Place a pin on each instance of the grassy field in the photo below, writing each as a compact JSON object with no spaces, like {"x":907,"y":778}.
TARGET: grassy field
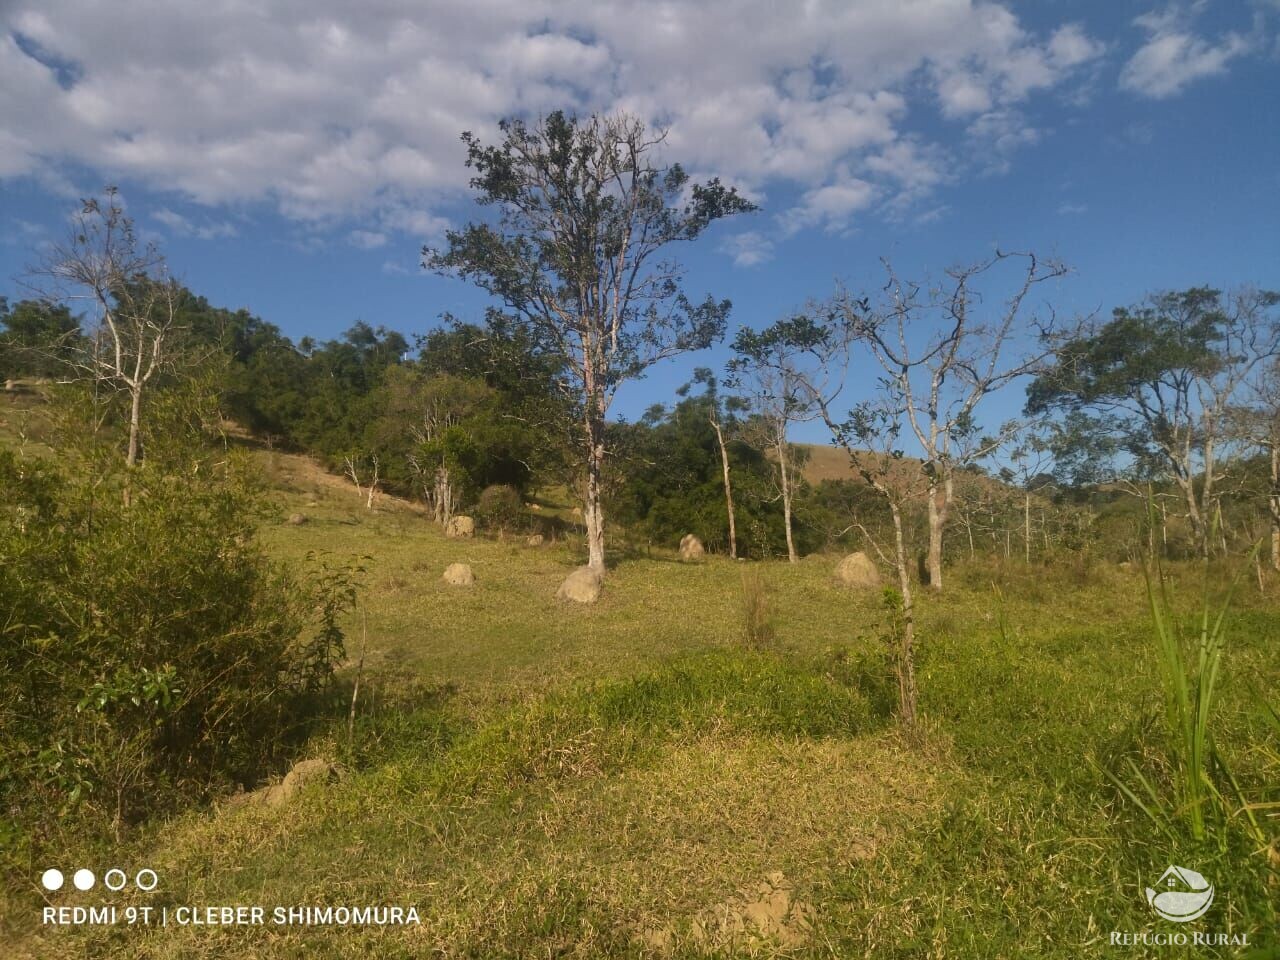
{"x":635,"y":779}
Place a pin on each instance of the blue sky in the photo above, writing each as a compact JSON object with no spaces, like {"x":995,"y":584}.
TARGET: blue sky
{"x":292,"y":157}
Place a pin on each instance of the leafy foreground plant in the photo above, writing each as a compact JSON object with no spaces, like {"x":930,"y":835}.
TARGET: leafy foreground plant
{"x":1191,"y":669}
{"x":152,"y":653}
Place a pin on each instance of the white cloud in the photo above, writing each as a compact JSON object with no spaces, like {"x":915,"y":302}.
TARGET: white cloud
{"x":333,"y":112}
{"x":181,"y":226}
{"x":1174,"y":56}
{"x":748,"y":249}
{"x":998,"y":135}
{"x":831,"y":207}
{"x":367,"y":239}
{"x":1068,"y":209}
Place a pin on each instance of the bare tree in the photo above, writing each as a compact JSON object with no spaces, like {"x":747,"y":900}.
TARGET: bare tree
{"x":938,"y":380}
{"x":1027,"y":456}
{"x":577,"y":256}
{"x":131,"y":296}
{"x":780,"y":371}
{"x":720,"y":414}
{"x":352,"y":463}
{"x":870,"y":437}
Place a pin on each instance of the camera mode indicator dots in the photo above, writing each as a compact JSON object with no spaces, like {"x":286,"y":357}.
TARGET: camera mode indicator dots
{"x":114,"y":879}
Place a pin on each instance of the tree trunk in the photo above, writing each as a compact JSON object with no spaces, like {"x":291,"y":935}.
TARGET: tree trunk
{"x":593,"y":516}
{"x":786,"y":500}
{"x":728,"y":488}
{"x":1275,"y":505}
{"x":1026,"y":527}
{"x":1198,"y":530}
{"x":907,"y":642}
{"x":135,"y":422}
{"x":937,"y":520}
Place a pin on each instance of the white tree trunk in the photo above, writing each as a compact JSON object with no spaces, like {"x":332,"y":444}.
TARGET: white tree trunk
{"x":906,"y":666}
{"x":135,"y":424}
{"x":792,"y":557}
{"x":728,"y":489}
{"x":1275,"y":506}
{"x":938,"y":507}
{"x":1026,"y":527}
{"x":593,"y":515}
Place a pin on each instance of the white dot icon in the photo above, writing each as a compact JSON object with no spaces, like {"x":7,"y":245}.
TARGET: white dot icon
{"x":115,"y":879}
{"x":51,"y":879}
{"x":83,"y":879}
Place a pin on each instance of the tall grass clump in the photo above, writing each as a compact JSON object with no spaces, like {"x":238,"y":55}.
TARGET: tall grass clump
{"x":757,"y":610}
{"x":1190,"y":665}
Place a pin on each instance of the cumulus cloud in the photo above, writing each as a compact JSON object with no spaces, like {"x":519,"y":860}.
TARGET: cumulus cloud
{"x":1175,"y":56}
{"x":748,"y":249}
{"x":367,"y":239}
{"x":333,"y":112}
{"x":831,"y":207}
{"x":181,"y":226}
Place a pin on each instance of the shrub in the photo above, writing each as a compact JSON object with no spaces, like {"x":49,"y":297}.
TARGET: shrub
{"x":151,"y":652}
{"x":499,"y":508}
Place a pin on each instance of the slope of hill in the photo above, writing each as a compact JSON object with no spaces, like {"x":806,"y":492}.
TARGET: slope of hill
{"x":634,"y":779}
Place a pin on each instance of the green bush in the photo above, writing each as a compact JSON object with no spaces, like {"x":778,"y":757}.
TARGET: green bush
{"x":499,"y":508}
{"x":151,"y":652}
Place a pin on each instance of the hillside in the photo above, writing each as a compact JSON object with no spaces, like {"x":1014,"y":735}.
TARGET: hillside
{"x":635,"y":778}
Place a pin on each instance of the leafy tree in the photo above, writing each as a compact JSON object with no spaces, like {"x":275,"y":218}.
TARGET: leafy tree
{"x":576,"y":256}
{"x":39,"y":339}
{"x":671,"y":480}
{"x":1163,"y":378}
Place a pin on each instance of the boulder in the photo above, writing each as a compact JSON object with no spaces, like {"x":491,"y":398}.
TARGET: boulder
{"x":691,"y":548}
{"x":297,"y":519}
{"x":581,"y":586}
{"x":534,"y":541}
{"x":460,"y":527}
{"x":303,"y":773}
{"x":459,"y":575}
{"x":857,"y":570}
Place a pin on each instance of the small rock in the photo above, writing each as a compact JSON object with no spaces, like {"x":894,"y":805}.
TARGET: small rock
{"x":459,"y":575}
{"x":460,"y":527}
{"x":297,"y":519}
{"x":534,"y":541}
{"x":691,"y":547}
{"x":581,"y":586}
{"x":857,"y":570}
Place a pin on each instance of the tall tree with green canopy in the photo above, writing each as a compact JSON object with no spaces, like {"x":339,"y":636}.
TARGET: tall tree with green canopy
{"x":38,"y":338}
{"x":1165,"y":376}
{"x":579,"y":254}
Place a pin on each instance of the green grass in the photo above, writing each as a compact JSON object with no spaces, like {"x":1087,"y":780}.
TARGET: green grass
{"x":543,"y":780}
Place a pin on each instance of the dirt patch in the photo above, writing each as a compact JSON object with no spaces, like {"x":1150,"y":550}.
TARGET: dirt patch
{"x":764,"y":912}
